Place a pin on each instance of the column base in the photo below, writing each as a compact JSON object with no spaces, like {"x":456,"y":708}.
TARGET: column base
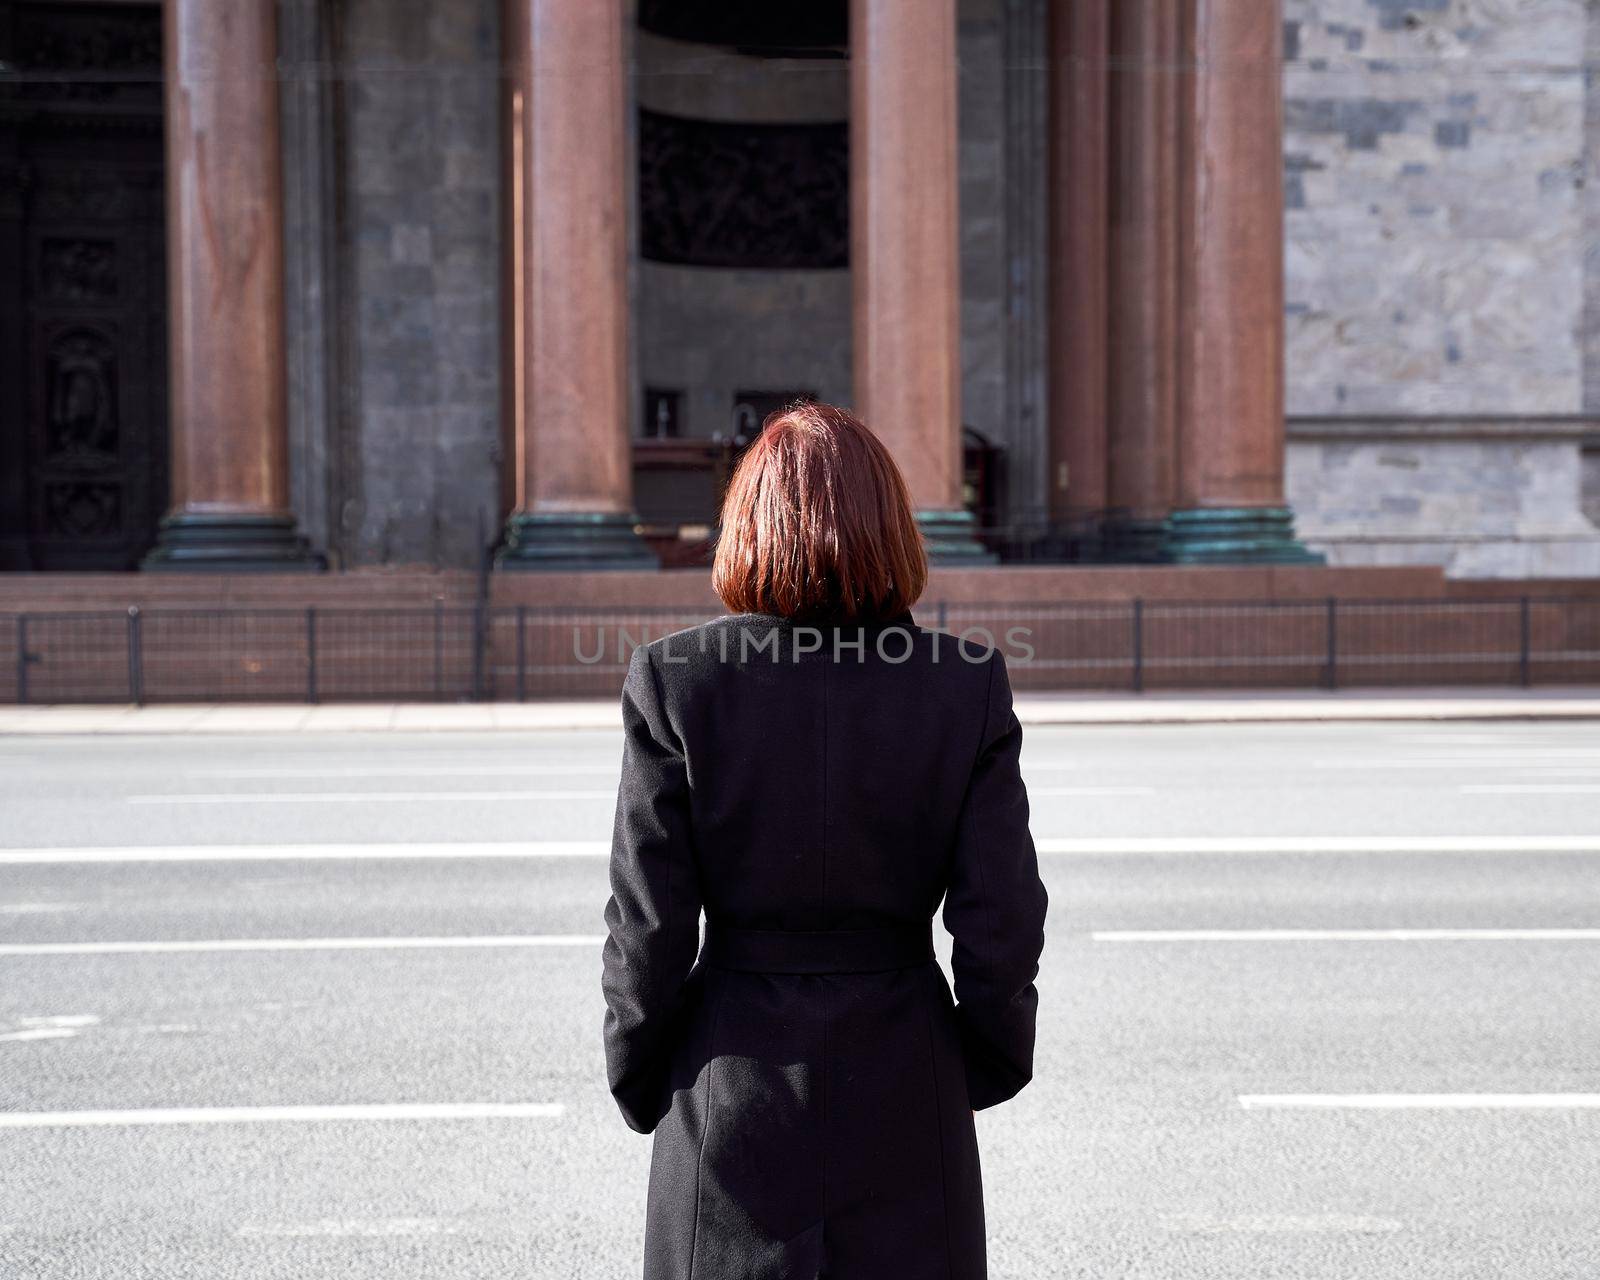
{"x":951,"y":538}
{"x":1236,"y":535}
{"x":231,"y":543}
{"x":573,"y":540}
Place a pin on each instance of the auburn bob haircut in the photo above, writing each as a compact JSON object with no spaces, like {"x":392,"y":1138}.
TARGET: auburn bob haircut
{"x":817,"y":524}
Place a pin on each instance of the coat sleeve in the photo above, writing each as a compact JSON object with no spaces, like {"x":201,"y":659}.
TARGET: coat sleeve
{"x":653,"y":916}
{"x":994,"y":910}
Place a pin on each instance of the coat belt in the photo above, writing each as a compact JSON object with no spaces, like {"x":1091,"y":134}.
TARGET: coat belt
{"x":817,"y":951}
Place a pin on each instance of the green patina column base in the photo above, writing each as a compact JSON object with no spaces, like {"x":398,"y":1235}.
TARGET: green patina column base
{"x":951,"y":538}
{"x":1236,"y":535}
{"x":1134,"y":541}
{"x":199,"y":542}
{"x":573,"y":540}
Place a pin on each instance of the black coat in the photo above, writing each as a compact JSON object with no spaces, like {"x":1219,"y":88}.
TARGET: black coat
{"x":809,"y":1079}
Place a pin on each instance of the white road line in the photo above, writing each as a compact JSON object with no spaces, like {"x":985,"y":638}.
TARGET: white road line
{"x":485,"y":770}
{"x":1531,"y":789}
{"x":361,"y":797}
{"x":1420,"y":1101}
{"x":38,"y":1033}
{"x":1276,"y":1223}
{"x":291,"y":1114}
{"x":1464,"y":760}
{"x":1319,"y":844}
{"x":1091,"y":791}
{"x":185,"y":945}
{"x":1504,"y":739}
{"x":1071,"y":846}
{"x":1560,"y":770}
{"x":307,"y":852}
{"x":352,"y":1227}
{"x":1346,"y":935}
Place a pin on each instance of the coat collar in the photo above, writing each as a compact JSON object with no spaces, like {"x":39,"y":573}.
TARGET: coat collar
{"x":901,"y":619}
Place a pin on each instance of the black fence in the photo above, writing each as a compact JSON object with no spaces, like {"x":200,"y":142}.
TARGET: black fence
{"x":503,"y":653}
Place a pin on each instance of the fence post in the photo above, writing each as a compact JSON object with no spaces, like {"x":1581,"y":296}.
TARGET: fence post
{"x":22,"y":659}
{"x":1331,"y":673}
{"x":438,"y":647}
{"x":480,"y":644}
{"x":135,"y":657}
{"x":522,"y":653}
{"x":311,"y":653}
{"x":1138,"y":645}
{"x":1525,"y":655}
{"x":481,"y":617}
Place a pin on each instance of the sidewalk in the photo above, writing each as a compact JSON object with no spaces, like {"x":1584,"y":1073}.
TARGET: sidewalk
{"x":1574,"y":703}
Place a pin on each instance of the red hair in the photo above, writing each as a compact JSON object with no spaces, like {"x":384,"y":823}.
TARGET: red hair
{"x":817,"y":524}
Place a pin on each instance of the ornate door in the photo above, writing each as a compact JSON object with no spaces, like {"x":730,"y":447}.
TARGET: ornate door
{"x":83,"y":440}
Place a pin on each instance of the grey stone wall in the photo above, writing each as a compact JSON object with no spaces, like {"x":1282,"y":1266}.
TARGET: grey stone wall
{"x":1026,"y":268}
{"x":310,"y":209}
{"x":419,"y":245}
{"x":710,"y":332}
{"x":1589,"y":207}
{"x":1590,"y":468}
{"x":980,"y":110}
{"x":1479,"y":497}
{"x":1442,"y":167}
{"x":1435,"y":153}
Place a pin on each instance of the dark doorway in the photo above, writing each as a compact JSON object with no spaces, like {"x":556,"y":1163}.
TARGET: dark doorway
{"x":83,"y":423}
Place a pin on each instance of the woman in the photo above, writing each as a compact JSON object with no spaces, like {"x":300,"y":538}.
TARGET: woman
{"x":817,"y":773}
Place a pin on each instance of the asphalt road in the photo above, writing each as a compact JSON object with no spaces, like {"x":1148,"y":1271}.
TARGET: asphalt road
{"x":1260,"y":1098}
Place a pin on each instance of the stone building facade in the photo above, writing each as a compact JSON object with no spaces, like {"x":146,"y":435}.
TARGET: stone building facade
{"x":1440,"y":267}
{"x":1443,"y":274}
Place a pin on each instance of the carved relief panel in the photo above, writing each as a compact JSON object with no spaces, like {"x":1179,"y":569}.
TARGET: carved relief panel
{"x":83,"y":438}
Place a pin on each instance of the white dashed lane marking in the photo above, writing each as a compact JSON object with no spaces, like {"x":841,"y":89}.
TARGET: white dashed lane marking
{"x":186,"y":945}
{"x":1278,"y":1224}
{"x":1346,"y":935}
{"x":308,"y":852}
{"x":335,"y":1227}
{"x":362,"y":1112}
{"x":1420,"y":1101}
{"x":362,"y":797}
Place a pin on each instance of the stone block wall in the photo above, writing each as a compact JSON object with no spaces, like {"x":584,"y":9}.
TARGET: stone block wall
{"x":1435,"y":155}
{"x":981,"y":149}
{"x":1481,"y":498}
{"x":1443,"y":208}
{"x":419,"y":252}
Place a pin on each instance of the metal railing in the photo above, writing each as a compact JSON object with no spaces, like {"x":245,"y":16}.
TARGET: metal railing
{"x":496,"y":652}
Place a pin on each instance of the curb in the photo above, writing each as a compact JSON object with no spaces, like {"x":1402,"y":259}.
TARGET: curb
{"x":604,"y":714}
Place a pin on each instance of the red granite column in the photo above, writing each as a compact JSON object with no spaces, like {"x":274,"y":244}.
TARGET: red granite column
{"x":1079,"y":52}
{"x":230,"y":451}
{"x":903,"y":253}
{"x":1230,"y":479}
{"x":1143,"y":299}
{"x":566,"y":258}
